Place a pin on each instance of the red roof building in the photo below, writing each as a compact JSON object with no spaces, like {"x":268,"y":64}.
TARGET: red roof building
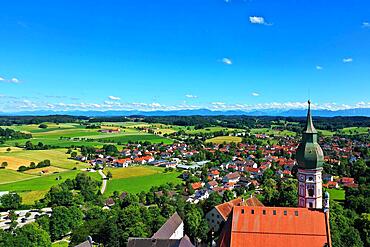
{"x":275,"y":227}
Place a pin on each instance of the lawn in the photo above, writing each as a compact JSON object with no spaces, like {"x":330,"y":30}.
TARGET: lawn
{"x":336,"y":194}
{"x":227,"y":139}
{"x":135,"y":182}
{"x":325,"y":132}
{"x":60,"y":244}
{"x":35,"y":188}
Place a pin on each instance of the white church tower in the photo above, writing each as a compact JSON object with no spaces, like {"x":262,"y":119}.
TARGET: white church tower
{"x":310,"y":159}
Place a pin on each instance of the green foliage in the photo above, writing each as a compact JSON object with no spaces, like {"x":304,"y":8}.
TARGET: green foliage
{"x":10,"y":201}
{"x":64,"y":220}
{"x":30,"y":235}
{"x":43,"y":126}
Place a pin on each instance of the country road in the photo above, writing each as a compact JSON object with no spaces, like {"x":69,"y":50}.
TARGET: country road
{"x":104,"y":181}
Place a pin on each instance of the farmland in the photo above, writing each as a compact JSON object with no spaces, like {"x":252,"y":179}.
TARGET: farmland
{"x":33,"y":188}
{"x":137,"y":179}
{"x":225,"y":139}
{"x":68,"y":134}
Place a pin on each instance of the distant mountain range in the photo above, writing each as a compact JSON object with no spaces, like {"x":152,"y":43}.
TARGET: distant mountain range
{"x":202,"y":112}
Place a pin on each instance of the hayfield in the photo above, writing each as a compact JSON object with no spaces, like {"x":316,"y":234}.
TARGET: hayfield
{"x":67,"y":134}
{"x":137,"y":179}
{"x":226,"y":139}
{"x":37,"y":186}
{"x":268,"y":131}
{"x":9,"y":176}
{"x":133,"y":171}
{"x":58,"y":158}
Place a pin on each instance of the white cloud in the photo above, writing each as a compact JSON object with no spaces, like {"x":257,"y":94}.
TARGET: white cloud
{"x":191,"y":96}
{"x":255,"y":94}
{"x":14,"y":80}
{"x":318,"y":67}
{"x":227,"y":61}
{"x":366,"y":24}
{"x":258,"y":20}
{"x":347,"y":60}
{"x":2,"y":79}
{"x":114,"y":98}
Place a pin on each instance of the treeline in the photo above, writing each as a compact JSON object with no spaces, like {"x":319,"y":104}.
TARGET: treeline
{"x":324,"y":123}
{"x":6,"y":134}
{"x":41,"y":164}
{"x":11,"y":120}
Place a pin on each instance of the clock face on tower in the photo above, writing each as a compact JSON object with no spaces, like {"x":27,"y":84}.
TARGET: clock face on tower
{"x":301,"y":178}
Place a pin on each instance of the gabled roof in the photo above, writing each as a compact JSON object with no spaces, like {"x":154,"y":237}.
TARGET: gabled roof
{"x":169,"y":227}
{"x":151,"y":242}
{"x":278,"y":226}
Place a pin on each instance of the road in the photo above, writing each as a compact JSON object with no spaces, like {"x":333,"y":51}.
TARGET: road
{"x":104,"y":181}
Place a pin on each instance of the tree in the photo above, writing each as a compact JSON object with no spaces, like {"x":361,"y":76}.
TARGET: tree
{"x":63,"y":220}
{"x":109,"y":175}
{"x":213,"y":200}
{"x":10,"y":201}
{"x":73,"y":155}
{"x":4,"y":164}
{"x":43,"y":126}
{"x":227,"y":196}
{"x":31,"y":235}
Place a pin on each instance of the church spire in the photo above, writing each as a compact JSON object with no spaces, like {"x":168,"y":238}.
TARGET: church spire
{"x":309,"y":123}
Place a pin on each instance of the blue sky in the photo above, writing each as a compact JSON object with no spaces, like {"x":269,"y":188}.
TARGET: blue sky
{"x":180,"y":54}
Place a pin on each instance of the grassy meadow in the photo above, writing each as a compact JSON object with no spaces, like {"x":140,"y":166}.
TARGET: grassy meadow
{"x":139,"y":178}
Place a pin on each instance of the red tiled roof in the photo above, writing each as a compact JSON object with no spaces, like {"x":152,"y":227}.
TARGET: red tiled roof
{"x":196,"y":185}
{"x":259,"y":226}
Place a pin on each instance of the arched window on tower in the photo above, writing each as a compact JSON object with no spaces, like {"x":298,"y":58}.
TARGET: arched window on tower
{"x":310,"y":190}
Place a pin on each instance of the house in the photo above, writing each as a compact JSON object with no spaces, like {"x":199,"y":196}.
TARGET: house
{"x":218,"y":215}
{"x":109,"y":202}
{"x":346,"y":180}
{"x":212,"y":184}
{"x":197,"y":185}
{"x":331,"y":185}
{"x":171,"y":234}
{"x":122,"y":162}
{"x":231,"y":177}
{"x":275,"y":226}
{"x":143,"y":160}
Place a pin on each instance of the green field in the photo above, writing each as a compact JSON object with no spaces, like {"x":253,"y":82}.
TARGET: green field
{"x":226,"y":139}
{"x":9,"y":176}
{"x":355,"y":130}
{"x":336,"y":194}
{"x":39,"y":185}
{"x":136,"y":179}
{"x":268,"y":131}
{"x":68,"y":134}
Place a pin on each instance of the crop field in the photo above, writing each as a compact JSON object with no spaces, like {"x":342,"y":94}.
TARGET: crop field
{"x":67,"y":134}
{"x":134,"y":171}
{"x":58,"y":158}
{"x":137,"y":179}
{"x":226,"y":139}
{"x":268,"y":131}
{"x":9,"y":176}
{"x":34,"y":188}
{"x":355,"y":130}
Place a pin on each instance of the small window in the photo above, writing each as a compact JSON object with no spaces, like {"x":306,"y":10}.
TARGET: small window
{"x":274,"y":212}
{"x":218,"y":216}
{"x":264,"y":212}
{"x":310,"y":178}
{"x":213,"y":215}
{"x":242,"y":211}
{"x":213,"y":221}
{"x":296,"y":213}
{"x":285,"y":212}
{"x":252,"y":211}
{"x":311,"y":204}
